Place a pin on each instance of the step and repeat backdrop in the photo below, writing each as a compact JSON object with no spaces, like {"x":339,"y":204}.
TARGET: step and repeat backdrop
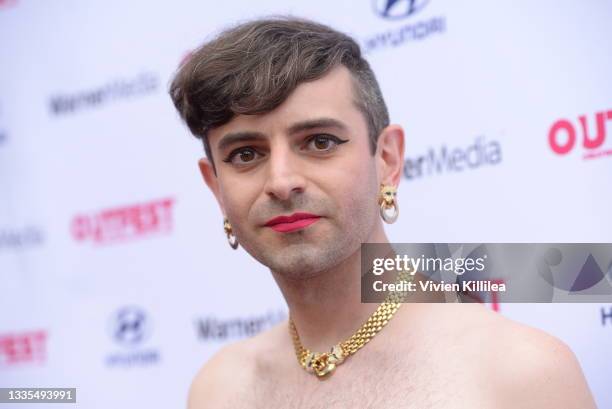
{"x":115,"y":274}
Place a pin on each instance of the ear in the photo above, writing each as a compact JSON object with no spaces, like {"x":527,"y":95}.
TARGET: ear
{"x":208,"y":173}
{"x":390,"y":155}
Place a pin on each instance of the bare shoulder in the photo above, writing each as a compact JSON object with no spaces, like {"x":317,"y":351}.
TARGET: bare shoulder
{"x":539,"y":370}
{"x":230,"y":373}
{"x":514,"y":364}
{"x":526,"y":366}
{"x":224,"y":375}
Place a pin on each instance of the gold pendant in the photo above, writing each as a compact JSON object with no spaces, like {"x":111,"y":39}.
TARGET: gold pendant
{"x":325,"y":363}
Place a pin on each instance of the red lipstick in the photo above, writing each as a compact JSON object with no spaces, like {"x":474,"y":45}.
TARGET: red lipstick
{"x":296,"y":221}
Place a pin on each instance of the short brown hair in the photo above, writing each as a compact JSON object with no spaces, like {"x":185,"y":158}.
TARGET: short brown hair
{"x":253,"y":67}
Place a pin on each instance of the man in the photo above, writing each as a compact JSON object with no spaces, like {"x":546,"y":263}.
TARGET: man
{"x":301,"y":158}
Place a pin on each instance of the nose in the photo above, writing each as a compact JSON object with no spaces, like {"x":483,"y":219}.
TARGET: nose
{"x":284,"y":177}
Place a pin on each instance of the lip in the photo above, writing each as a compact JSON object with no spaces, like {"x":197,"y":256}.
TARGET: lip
{"x":292,"y":222}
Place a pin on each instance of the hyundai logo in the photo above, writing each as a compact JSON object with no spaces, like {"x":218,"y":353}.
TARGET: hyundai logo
{"x":398,"y":9}
{"x":130,"y":326}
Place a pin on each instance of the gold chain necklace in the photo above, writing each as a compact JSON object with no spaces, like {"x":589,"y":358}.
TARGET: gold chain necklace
{"x":322,"y":364}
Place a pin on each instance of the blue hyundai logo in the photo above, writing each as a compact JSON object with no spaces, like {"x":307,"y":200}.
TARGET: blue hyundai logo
{"x":398,"y":9}
{"x":130,"y":326}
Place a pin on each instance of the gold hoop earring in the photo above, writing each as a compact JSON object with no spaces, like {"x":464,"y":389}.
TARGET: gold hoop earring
{"x":231,"y":239}
{"x":388,"y":200}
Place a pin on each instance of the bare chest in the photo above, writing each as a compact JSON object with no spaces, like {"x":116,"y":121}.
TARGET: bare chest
{"x":371,"y":382}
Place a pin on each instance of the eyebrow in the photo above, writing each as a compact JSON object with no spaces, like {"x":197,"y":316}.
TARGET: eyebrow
{"x":249,"y":136}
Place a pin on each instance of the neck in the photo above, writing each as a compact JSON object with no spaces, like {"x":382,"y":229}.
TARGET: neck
{"x":327,"y":309}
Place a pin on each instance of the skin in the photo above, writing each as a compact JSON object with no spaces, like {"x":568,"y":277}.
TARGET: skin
{"x":429,"y":355}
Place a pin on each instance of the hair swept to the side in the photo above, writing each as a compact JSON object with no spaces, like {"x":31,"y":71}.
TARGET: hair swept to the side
{"x":252,"y":68}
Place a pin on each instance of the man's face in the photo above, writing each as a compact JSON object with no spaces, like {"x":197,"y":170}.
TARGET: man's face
{"x":309,"y":155}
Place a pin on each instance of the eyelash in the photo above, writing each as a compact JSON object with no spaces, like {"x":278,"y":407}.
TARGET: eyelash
{"x":329,"y":137}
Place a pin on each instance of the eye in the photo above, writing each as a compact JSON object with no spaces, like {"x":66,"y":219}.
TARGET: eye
{"x":241,"y":156}
{"x":324,"y":142}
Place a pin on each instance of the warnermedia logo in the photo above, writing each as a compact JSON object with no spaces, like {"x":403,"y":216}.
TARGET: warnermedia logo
{"x":20,"y":238}
{"x":445,"y":159}
{"x":145,"y":83}
{"x":213,"y":329}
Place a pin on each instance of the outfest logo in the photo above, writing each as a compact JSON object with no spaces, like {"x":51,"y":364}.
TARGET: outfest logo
{"x":587,"y":131}
{"x":7,"y":3}
{"x":29,"y":347}
{"x":125,"y":222}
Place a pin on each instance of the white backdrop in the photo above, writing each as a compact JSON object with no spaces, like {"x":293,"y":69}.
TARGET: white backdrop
{"x":115,"y":275}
